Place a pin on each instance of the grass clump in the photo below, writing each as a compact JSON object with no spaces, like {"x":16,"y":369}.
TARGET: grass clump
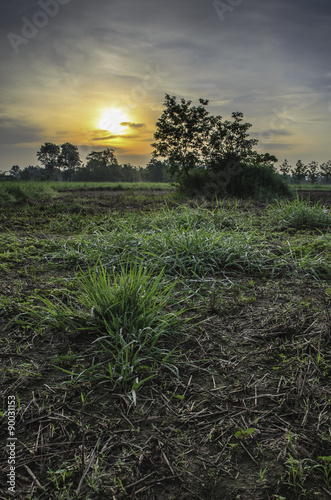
{"x":131,"y":302}
{"x":300,"y":215}
{"x":127,"y":313}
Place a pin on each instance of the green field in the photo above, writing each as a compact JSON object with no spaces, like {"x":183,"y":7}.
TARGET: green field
{"x":31,"y":190}
{"x":161,"y":347}
{"x":318,"y":186}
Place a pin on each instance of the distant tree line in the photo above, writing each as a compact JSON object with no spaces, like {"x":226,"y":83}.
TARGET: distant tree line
{"x":312,"y":172}
{"x":63,"y":163}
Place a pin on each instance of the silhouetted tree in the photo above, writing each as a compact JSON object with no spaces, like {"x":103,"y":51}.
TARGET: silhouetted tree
{"x":325,"y":171}
{"x":69,"y":159}
{"x":48,"y":155}
{"x":300,"y":171}
{"x":31,"y":173}
{"x":188,"y":137}
{"x":157,"y":171}
{"x":106,"y":156}
{"x":211,"y":157}
{"x":129,"y":173}
{"x":285,"y":168}
{"x":15,"y":171}
{"x":312,"y":171}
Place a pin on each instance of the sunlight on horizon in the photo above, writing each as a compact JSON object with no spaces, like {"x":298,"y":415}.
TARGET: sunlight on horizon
{"x":112,"y":119}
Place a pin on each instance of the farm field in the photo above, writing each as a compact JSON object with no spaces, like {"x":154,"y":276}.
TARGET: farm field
{"x":159,"y":347}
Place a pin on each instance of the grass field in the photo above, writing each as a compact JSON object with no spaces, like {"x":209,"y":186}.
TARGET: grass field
{"x":319,"y":186}
{"x":157,"y":347}
{"x":31,"y":190}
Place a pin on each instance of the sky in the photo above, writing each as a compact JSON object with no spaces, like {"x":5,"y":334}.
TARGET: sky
{"x":95,"y":73}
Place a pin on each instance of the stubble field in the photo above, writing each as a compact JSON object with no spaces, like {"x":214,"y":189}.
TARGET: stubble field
{"x":160,"y":348}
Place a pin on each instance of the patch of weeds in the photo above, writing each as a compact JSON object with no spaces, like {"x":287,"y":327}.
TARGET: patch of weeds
{"x":200,"y":253}
{"x":325,"y":467}
{"x":298,"y":471}
{"x":185,"y":218}
{"x":62,"y":481}
{"x":243,"y":434}
{"x":67,"y":223}
{"x":24,"y":249}
{"x":22,"y":371}
{"x":14,"y":305}
{"x":299,"y":214}
{"x":127,"y":313}
{"x":192,"y":242}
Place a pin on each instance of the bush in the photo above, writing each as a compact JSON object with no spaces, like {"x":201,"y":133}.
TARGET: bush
{"x":300,"y":215}
{"x":243,"y":181}
{"x":260,"y":182}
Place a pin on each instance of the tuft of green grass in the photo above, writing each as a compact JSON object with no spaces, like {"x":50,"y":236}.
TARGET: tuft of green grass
{"x":128,"y":313}
{"x":300,"y":215}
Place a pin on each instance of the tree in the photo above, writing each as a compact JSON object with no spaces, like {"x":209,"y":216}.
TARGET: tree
{"x":325,"y":171}
{"x":300,"y":171}
{"x":189,"y":138}
{"x":228,"y":143}
{"x":15,"y":171}
{"x":285,"y":168}
{"x":181,"y":135}
{"x":129,"y":173}
{"x":48,"y":156}
{"x":69,"y":159}
{"x":312,"y":171}
{"x":32,"y":173}
{"x":102,"y":166}
{"x":106,"y":156}
{"x":209,"y":157}
{"x":157,"y":171}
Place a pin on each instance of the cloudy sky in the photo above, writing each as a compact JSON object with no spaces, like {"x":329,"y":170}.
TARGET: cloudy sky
{"x":95,"y":72}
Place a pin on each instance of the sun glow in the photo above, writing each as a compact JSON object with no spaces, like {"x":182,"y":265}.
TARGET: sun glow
{"x":112,"y":120}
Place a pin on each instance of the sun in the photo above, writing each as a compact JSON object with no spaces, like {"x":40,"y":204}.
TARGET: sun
{"x":112,"y":119}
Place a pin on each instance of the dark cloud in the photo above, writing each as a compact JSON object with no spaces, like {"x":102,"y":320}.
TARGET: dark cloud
{"x":105,"y":138}
{"x":132,"y":125}
{"x":278,"y":145}
{"x":274,"y":132}
{"x":18,"y":132}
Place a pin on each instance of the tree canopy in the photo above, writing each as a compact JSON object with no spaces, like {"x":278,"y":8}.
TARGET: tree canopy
{"x":188,"y":137}
{"x":64,"y":157}
{"x":209,"y":156}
